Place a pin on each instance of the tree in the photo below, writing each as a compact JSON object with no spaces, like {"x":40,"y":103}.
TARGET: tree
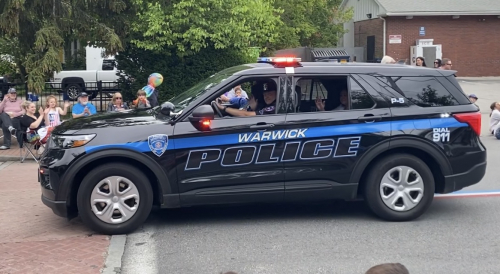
{"x":312,"y":23}
{"x":38,"y":29}
{"x":180,"y":73}
{"x":191,"y":25}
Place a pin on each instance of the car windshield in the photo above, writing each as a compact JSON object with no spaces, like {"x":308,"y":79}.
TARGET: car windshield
{"x":182,"y":101}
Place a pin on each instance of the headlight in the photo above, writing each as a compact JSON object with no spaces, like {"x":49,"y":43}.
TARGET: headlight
{"x":71,"y":141}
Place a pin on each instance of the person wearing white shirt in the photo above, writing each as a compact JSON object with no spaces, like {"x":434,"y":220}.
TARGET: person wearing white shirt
{"x":494,"y":117}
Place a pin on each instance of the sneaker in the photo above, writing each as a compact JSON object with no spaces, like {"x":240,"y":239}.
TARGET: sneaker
{"x":12,"y":130}
{"x":4,"y":147}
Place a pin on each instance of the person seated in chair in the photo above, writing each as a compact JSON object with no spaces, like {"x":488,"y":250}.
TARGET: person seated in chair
{"x":33,"y":123}
{"x":10,"y":108}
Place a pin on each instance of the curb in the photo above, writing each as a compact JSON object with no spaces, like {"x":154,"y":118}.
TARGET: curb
{"x":5,"y":164}
{"x":113,"y":264}
{"x":15,"y":158}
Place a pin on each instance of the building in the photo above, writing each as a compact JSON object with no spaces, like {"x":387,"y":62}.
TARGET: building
{"x":466,"y":31}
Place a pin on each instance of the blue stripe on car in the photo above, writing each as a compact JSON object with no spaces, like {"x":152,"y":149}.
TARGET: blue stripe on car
{"x":312,"y":132}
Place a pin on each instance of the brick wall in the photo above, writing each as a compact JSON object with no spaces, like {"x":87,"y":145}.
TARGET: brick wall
{"x":472,"y":45}
{"x":366,"y":28}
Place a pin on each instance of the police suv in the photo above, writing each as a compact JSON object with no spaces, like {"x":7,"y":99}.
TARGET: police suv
{"x":391,"y":134}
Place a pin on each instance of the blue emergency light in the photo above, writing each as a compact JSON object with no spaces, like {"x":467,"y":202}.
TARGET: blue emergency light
{"x":281,"y":61}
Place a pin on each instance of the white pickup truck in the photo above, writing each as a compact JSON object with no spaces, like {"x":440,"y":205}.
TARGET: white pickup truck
{"x":72,"y":82}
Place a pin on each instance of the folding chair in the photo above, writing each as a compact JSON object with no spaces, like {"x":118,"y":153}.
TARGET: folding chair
{"x":29,"y":148}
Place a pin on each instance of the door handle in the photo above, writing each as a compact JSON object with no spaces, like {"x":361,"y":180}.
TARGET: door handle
{"x":369,"y":118}
{"x":262,"y":125}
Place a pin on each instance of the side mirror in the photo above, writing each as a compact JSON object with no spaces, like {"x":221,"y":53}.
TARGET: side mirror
{"x":201,"y":117}
{"x":167,"y":108}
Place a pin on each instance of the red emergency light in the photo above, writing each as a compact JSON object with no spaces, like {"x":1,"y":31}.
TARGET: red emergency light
{"x":281,"y":61}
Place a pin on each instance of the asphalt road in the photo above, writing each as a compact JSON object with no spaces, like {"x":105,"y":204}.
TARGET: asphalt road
{"x":456,"y":235}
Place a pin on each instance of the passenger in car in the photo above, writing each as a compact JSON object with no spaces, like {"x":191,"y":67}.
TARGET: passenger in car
{"x":344,"y":100}
{"x":236,"y":92}
{"x":268,"y":90}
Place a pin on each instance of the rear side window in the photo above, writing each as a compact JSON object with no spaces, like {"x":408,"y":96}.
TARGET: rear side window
{"x":424,"y":91}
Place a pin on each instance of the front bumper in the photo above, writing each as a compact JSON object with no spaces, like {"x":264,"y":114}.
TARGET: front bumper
{"x":58,"y":207}
{"x":456,"y":182}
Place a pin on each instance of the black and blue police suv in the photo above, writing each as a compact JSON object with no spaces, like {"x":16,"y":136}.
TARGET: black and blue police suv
{"x":393,"y":135}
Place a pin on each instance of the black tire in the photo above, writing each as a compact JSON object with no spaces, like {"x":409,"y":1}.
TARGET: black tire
{"x":72,"y":91}
{"x":114,"y":169}
{"x":373,"y":181}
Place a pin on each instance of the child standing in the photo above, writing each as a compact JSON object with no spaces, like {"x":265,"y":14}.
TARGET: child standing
{"x":141,"y":101}
{"x":53,"y":112}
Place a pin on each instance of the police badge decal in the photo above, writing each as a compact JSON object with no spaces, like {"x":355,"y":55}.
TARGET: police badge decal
{"x":158,"y":144}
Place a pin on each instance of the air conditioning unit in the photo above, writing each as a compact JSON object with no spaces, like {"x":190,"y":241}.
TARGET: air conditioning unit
{"x":426,"y":48}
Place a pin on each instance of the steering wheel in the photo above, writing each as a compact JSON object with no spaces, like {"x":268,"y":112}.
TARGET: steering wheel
{"x":216,"y":108}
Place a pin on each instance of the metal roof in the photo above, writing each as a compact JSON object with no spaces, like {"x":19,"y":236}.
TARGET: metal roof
{"x":436,"y":7}
{"x":329,"y":52}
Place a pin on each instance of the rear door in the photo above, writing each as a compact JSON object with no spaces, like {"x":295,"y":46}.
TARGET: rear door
{"x":319,"y":165}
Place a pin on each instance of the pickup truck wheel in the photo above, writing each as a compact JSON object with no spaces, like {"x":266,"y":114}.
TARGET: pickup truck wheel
{"x":72,"y":91}
{"x":114,"y":198}
{"x":399,"y":187}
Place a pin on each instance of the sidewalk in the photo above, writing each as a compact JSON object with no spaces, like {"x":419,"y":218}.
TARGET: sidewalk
{"x":11,"y":154}
{"x":32,"y":238}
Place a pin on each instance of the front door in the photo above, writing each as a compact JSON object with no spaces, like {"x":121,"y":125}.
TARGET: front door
{"x":340,"y":121}
{"x":237,"y":161}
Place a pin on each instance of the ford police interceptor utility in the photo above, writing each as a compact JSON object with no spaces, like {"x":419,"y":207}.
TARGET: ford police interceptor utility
{"x":391,"y":134}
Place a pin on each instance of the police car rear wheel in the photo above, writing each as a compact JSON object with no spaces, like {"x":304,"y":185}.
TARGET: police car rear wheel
{"x":115,"y":198}
{"x":399,"y":187}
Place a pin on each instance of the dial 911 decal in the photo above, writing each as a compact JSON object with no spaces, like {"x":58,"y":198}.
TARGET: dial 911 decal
{"x":441,"y":134}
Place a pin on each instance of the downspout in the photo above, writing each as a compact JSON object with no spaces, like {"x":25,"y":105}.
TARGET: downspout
{"x":383,"y":36}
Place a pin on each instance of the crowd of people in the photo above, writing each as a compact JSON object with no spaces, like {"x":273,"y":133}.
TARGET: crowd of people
{"x":444,"y":64}
{"x":16,"y":114}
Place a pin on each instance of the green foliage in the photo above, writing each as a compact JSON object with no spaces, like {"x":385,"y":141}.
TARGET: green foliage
{"x":180,"y":73}
{"x":75,"y":62}
{"x":7,"y":67}
{"x":312,"y":23}
{"x":191,"y":25}
{"x":39,"y":27}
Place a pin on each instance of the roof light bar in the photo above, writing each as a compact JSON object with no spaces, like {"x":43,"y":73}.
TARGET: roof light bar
{"x":278,"y":60}
{"x":281,"y":61}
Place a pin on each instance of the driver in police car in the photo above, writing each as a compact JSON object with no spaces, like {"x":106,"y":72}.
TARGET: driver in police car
{"x":254,"y":108}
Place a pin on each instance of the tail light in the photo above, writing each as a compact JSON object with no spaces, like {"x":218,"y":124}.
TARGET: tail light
{"x":472,"y":119}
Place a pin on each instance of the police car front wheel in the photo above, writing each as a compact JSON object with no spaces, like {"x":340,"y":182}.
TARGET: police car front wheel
{"x":114,"y":198}
{"x":399,"y":187}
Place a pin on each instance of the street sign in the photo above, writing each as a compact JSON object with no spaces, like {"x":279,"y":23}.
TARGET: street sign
{"x":422,"y":31}
{"x":394,"y":39}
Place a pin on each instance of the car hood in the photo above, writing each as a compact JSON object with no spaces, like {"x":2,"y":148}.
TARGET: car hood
{"x":111,"y":119}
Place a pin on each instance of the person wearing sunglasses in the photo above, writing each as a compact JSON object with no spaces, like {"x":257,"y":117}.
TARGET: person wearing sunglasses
{"x":446,"y":64}
{"x":117,"y":103}
{"x":437,"y":63}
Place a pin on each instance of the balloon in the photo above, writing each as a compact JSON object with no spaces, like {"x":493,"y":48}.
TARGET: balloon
{"x":154,"y":80}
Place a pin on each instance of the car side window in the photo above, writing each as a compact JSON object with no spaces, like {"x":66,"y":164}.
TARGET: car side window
{"x":333,"y":93}
{"x":246,"y":95}
{"x":360,"y":99}
{"x":423,"y":91}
